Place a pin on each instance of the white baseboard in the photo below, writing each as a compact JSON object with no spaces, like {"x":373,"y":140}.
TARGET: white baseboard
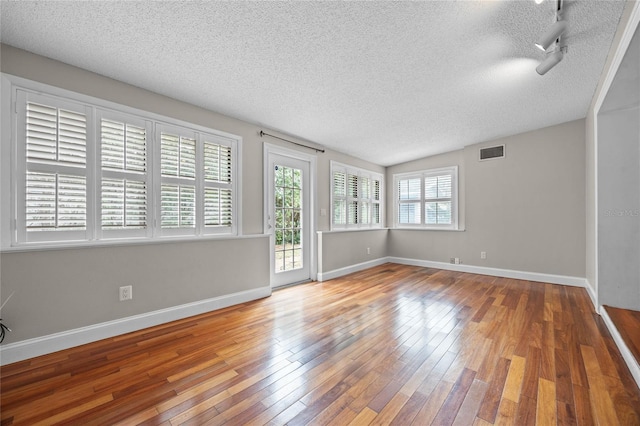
{"x":329,"y":275}
{"x":592,"y":295}
{"x":18,"y":351}
{"x":482,"y":270}
{"x":624,"y":350}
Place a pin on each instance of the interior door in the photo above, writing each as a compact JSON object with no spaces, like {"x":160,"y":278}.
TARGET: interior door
{"x":288,"y":218}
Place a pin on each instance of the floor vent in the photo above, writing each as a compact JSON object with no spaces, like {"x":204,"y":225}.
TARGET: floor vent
{"x":492,"y":152}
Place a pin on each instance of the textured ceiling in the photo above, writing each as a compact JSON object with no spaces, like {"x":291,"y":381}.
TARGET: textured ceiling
{"x":384,"y":81}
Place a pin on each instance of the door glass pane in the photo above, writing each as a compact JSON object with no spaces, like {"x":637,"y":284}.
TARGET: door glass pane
{"x":288,"y":223}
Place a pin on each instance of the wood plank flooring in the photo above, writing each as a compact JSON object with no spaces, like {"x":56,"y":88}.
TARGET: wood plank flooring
{"x":394,"y":344}
{"x":627,"y":323}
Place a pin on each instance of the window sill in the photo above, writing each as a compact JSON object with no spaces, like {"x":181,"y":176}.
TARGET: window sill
{"x":339,"y":230}
{"x":408,"y":228}
{"x":121,"y":242}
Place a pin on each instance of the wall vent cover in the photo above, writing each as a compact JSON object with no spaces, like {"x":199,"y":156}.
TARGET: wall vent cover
{"x":491,"y":152}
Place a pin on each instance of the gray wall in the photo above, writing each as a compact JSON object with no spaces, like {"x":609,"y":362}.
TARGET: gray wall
{"x":341,"y":249}
{"x":525,"y":210}
{"x":619,"y":208}
{"x":58,"y":290}
{"x":84,"y":291}
{"x":591,"y":156}
{"x":618,"y":189}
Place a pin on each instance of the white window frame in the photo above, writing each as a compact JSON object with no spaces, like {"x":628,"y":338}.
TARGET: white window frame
{"x":101,"y":173}
{"x":422,"y":175}
{"x":13,"y":167}
{"x":360,"y":173}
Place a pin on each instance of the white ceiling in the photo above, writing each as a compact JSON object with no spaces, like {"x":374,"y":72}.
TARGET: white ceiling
{"x":383,"y":81}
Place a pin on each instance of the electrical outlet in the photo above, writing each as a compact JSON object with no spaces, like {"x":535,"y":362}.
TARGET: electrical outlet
{"x":483,"y":255}
{"x":368,"y":250}
{"x":126,"y":292}
{"x":455,"y":261}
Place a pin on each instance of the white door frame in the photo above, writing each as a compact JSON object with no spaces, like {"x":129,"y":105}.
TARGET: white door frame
{"x":313,"y":220}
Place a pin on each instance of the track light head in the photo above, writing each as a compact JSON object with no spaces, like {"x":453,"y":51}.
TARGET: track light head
{"x":552,"y":34}
{"x":550,"y":61}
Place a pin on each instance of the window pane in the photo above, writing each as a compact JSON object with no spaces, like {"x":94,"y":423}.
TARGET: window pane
{"x":339,"y":182}
{"x":55,"y":202}
{"x":217,"y":163}
{"x":409,"y":213}
{"x":375,"y":214}
{"x":123,"y":146}
{"x":444,"y":186}
{"x":339,"y":215}
{"x":409,"y":189}
{"x":431,"y":213}
{"x":170,"y":155}
{"x":365,"y":212}
{"x":376,"y":190}
{"x":178,"y":156}
{"x":124,"y":204}
{"x":112,"y":144}
{"x":177,"y":206}
{"x":365,"y":187}
{"x":444,"y":213}
{"x":187,"y":157}
{"x":352,"y":186}
{"x":437,"y":187}
{"x":352,"y":212}
{"x":41,"y":201}
{"x":56,"y":135}
{"x":438,"y":213}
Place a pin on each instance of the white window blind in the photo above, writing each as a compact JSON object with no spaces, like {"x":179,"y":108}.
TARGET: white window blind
{"x":196,"y":171}
{"x":218,"y":203}
{"x":53,"y":169}
{"x":177,"y":171}
{"x":427,"y":199}
{"x":124,"y":188}
{"x":356,"y":197}
{"x":89,"y":170}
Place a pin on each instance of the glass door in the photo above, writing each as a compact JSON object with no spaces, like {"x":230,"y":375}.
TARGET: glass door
{"x":287,"y":219}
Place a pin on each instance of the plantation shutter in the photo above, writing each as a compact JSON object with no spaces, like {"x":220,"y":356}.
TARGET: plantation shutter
{"x":124,"y":186}
{"x":438,"y":189}
{"x":177,"y":172}
{"x":218,"y":195}
{"x":375,"y":213}
{"x":409,"y":207}
{"x":339,"y":197}
{"x":54,"y":157}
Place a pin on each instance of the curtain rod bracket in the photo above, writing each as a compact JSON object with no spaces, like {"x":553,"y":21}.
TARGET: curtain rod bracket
{"x":295,"y":143}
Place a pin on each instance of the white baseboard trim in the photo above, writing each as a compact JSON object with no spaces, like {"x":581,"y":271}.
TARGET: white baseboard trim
{"x":482,"y":270}
{"x":624,"y":350}
{"x":592,"y":295}
{"x":329,"y":275}
{"x":19,"y":351}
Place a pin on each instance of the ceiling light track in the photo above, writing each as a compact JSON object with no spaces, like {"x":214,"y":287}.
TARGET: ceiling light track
{"x":551,"y":42}
{"x":295,"y":143}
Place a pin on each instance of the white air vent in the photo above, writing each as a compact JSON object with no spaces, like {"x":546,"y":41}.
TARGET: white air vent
{"x":491,"y":152}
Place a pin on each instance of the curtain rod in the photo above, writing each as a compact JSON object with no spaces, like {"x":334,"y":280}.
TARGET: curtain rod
{"x":287,"y":140}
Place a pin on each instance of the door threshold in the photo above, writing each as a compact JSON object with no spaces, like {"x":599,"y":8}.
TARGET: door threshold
{"x":280,"y":287}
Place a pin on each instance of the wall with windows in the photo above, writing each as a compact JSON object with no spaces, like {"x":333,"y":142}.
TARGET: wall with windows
{"x":526,"y":210}
{"x":61,"y":289}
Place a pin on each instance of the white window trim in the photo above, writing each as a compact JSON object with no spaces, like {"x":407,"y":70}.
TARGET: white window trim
{"x":422,"y":174}
{"x":360,"y":172}
{"x":11,"y":167}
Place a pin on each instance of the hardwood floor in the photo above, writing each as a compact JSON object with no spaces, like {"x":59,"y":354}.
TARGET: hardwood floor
{"x":391,"y":345}
{"x":627,"y":323}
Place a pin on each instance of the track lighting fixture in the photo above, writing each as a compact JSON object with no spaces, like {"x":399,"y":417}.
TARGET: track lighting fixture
{"x":552,"y":34}
{"x":553,"y":38}
{"x":550,"y":61}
